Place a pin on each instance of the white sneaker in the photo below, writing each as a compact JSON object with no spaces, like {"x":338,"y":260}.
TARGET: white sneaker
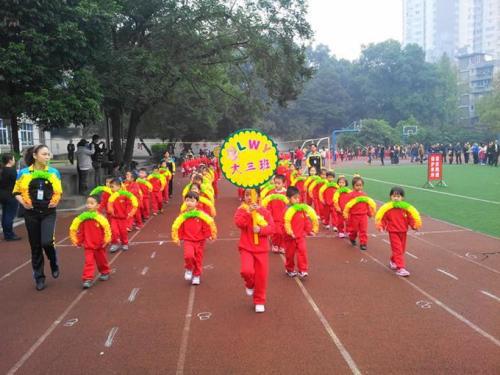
{"x":281,"y":250}
{"x":341,"y":235}
{"x":196,"y":280}
{"x":260,"y":308}
{"x":402,"y":272}
{"x":114,"y":248}
{"x":188,"y":275}
{"x":335,"y":229}
{"x":291,"y":273}
{"x":327,"y":227}
{"x":274,"y":249}
{"x":125,"y":247}
{"x":249,"y":292}
{"x":392,"y":265}
{"x":303,"y":275}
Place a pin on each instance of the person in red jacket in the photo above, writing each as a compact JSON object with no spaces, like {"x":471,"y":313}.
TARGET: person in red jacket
{"x":193,"y":233}
{"x":91,"y":238}
{"x":157,"y":193}
{"x":103,"y":205}
{"x":296,"y":244}
{"x":277,"y":209}
{"x":146,"y":195}
{"x":357,"y":223}
{"x":256,"y":224}
{"x":119,"y":214}
{"x":132,"y":186}
{"x":330,"y":213}
{"x":343,"y":199}
{"x":396,"y":222}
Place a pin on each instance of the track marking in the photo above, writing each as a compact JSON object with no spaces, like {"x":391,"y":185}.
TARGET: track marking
{"x":424,"y":304}
{"x":448,"y":309}
{"x":447,"y":273}
{"x":133,"y":294}
{"x":28,"y":261}
{"x":111,"y":336}
{"x":70,"y":322}
{"x":204,"y":315}
{"x":341,"y":348}
{"x":386,"y":241}
{"x":153,"y":254}
{"x":490,"y":295}
{"x":144,"y":271}
{"x":410,"y":254}
{"x":185,"y":332}
{"x":53,"y":326}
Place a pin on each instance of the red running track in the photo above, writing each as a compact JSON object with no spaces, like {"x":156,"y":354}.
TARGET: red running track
{"x":352,"y":315}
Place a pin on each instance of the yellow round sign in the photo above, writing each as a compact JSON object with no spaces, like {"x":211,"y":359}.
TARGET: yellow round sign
{"x":248,"y":158}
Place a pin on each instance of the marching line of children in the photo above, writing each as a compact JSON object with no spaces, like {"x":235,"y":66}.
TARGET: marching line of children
{"x":114,"y":210}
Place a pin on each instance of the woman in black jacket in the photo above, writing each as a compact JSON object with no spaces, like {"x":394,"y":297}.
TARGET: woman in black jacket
{"x":9,"y":203}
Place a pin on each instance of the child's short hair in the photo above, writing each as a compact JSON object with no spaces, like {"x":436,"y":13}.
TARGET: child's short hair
{"x":134,"y":175}
{"x":313,"y":167}
{"x":143,"y":170}
{"x":397,"y":190}
{"x":356,"y":179}
{"x":330,"y":174}
{"x":198,"y":177}
{"x":323,"y":170}
{"x":192,"y":195}
{"x":342,"y":178}
{"x":96,"y":197}
{"x":115,"y":181}
{"x":279,"y":177}
{"x":291,"y":191}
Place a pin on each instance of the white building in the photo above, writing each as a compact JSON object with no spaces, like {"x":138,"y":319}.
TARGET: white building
{"x":29,"y":134}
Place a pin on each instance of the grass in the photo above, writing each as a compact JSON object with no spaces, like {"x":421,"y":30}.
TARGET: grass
{"x":468,"y":181}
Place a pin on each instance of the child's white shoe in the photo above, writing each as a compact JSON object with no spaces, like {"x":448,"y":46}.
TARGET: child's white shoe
{"x":341,"y":235}
{"x":392,"y":265}
{"x":249,"y":292}
{"x":196,"y":280}
{"x":303,"y":275}
{"x":291,"y":273}
{"x":260,"y":308}
{"x":402,"y":272}
{"x":188,"y":275}
{"x":124,"y":247}
{"x":114,"y":248}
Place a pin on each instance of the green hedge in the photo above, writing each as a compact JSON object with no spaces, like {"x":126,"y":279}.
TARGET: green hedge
{"x":158,"y":150}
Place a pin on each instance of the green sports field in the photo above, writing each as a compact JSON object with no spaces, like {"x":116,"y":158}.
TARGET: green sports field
{"x":472,"y":198}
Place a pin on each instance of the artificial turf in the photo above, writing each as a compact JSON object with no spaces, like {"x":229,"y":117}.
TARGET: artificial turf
{"x":469,"y":181}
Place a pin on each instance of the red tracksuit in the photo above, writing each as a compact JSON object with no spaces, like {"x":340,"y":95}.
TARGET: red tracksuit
{"x":156,"y":195}
{"x":330,"y":212}
{"x":396,"y":222}
{"x":146,"y":201}
{"x":254,"y":257}
{"x":135,"y":189}
{"x":309,"y":199}
{"x":103,"y":206}
{"x":341,"y":222}
{"x":119,"y":220}
{"x":300,"y":185}
{"x":194,"y":233}
{"x":165,"y":191}
{"x":241,"y":193}
{"x":277,"y":209}
{"x":301,"y":226}
{"x":91,"y":237}
{"x":357,"y":223}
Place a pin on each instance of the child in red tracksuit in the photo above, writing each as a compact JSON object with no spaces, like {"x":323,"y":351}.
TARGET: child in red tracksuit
{"x":91,"y":238}
{"x":156,"y":195}
{"x":164,"y":171}
{"x":146,"y":195}
{"x":343,"y":199}
{"x":396,"y":222}
{"x":296,"y":245}
{"x":254,"y":255}
{"x":119,"y":214}
{"x":330,"y":214}
{"x":103,"y":205}
{"x":357,"y":223}
{"x":312,"y":172}
{"x":277,"y":209}
{"x":193,"y":232}
{"x":132,"y":186}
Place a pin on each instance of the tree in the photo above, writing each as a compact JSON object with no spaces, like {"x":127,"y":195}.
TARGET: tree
{"x":373,"y":132}
{"x":488,"y":109}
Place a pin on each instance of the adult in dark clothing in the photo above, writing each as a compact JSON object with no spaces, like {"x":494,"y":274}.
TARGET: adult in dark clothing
{"x":40,"y":197}
{"x":466,"y":151}
{"x":98,"y":158}
{"x":458,"y":154}
{"x":9,"y":203}
{"x":382,"y":154}
{"x":171,"y":167}
{"x":490,"y":153}
{"x":496,"y":148}
{"x":71,"y":151}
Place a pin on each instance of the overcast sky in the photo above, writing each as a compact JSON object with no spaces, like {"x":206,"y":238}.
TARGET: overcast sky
{"x":345,"y":25}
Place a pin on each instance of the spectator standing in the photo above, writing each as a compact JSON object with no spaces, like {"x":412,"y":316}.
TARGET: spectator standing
{"x":382,"y":153}
{"x":496,"y":155}
{"x":458,"y":153}
{"x":97,"y":158}
{"x":299,"y":156}
{"x":84,"y":154}
{"x":71,"y":151}
{"x":8,"y":175}
{"x":475,"y":153}
{"x":421,"y":153}
{"x":466,"y":151}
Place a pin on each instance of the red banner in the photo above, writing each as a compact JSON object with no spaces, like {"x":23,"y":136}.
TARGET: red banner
{"x":435,"y":167}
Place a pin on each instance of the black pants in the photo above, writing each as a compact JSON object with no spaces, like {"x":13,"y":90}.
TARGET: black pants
{"x":97,"y":175}
{"x":466,"y":157}
{"x":40,"y":226}
{"x":171,"y":187}
{"x":83,"y":181}
{"x":9,"y":211}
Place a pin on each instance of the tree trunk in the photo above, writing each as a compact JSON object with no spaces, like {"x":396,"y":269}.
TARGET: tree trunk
{"x":14,"y":127}
{"x":116,"y":130}
{"x":135,"y":117}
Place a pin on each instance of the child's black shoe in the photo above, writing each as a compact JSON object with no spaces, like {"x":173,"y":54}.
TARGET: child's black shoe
{"x":362,"y":247}
{"x":353,"y":242}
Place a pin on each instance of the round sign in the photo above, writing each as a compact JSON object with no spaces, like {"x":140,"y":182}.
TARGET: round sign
{"x":248,"y":158}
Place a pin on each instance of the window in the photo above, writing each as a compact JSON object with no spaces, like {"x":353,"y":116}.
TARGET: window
{"x":4,"y":134}
{"x":26,"y":134}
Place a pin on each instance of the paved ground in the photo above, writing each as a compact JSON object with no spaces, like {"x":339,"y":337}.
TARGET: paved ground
{"x":352,"y":315}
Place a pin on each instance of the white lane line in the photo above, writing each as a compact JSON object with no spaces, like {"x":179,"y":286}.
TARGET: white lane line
{"x":144,"y":271}
{"x":455,"y":254}
{"x":448,"y":309}
{"x":430,"y":191}
{"x":429,"y":232}
{"x":133,"y":294}
{"x":490,"y":295}
{"x":153,"y":254}
{"x":447,"y":273}
{"x":27,"y":262}
{"x":53,"y":326}
{"x":333,"y":336}
{"x":111,"y":336}
{"x":185,"y":332}
{"x":386,"y":241}
{"x":410,"y":254}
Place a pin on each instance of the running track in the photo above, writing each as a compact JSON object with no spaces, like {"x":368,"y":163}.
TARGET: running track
{"x":351,"y":316}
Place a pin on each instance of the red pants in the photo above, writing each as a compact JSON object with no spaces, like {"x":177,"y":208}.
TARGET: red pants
{"x":309,"y":200}
{"x":136,"y":219}
{"x":119,"y":231}
{"x":330,"y":215}
{"x":303,"y":197}
{"x":358,"y":224}
{"x":146,"y":200}
{"x":156,"y":200}
{"x":325,"y":214}
{"x":398,"y":248}
{"x":341,"y":223}
{"x":317,"y":206}
{"x":277,"y":239}
{"x":93,"y":257}
{"x":296,"y":246}
{"x":254,"y":270}
{"x":165,"y":193}
{"x":193,"y":256}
